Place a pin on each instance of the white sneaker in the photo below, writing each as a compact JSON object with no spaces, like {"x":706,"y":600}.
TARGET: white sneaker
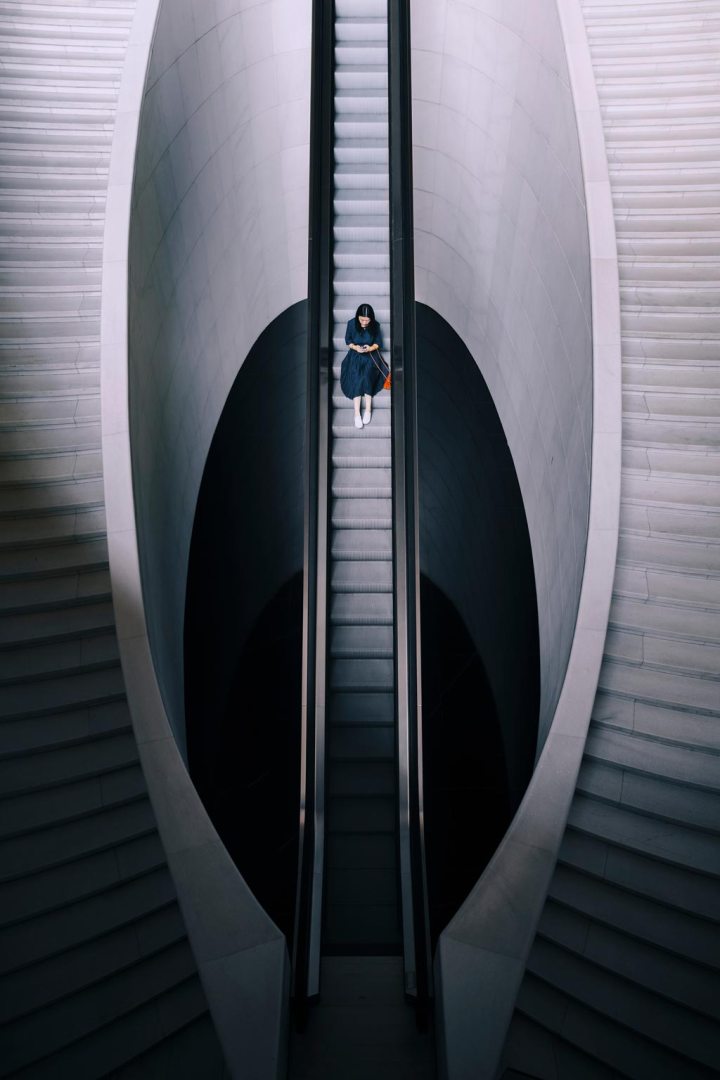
{"x":358,"y":421}
{"x":367,"y":417}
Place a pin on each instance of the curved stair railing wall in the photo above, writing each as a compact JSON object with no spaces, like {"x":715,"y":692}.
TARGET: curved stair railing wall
{"x":167,"y":257}
{"x":481,"y":954}
{"x":98,"y":973}
{"x":622,"y":976}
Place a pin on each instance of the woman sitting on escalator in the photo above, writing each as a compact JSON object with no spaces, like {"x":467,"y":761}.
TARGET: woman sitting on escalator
{"x":363,"y":370}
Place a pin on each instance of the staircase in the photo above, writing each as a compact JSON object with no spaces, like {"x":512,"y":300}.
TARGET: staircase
{"x":98,"y":976}
{"x":361,"y":913}
{"x":623,"y":977}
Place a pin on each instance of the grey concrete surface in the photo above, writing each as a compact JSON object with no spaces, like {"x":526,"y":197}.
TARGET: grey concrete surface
{"x":624,"y":972}
{"x":482,"y":954}
{"x":502,"y":253}
{"x":241,"y":955}
{"x":97,"y":972}
{"x":218,"y":248}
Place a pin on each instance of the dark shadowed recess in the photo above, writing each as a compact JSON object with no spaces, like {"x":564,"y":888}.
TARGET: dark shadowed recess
{"x":480,"y":644}
{"x":243,"y":617}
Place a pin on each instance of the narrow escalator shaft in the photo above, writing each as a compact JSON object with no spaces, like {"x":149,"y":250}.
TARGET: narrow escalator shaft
{"x":361,"y":909}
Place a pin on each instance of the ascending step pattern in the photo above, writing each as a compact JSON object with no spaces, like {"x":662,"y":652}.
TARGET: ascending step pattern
{"x":361,"y":903}
{"x":97,"y":972}
{"x":623,"y":976}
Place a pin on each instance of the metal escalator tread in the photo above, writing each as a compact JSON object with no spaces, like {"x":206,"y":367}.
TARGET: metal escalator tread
{"x":97,"y":968}
{"x":361,"y":903}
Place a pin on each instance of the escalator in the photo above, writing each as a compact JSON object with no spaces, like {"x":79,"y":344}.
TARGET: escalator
{"x":360,"y":911}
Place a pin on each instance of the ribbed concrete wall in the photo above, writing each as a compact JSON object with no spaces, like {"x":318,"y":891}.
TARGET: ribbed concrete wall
{"x":623,"y":978}
{"x":218,"y":249}
{"x":97,"y":972}
{"x":501,"y":251}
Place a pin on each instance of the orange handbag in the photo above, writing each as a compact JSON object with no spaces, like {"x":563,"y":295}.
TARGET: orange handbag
{"x":385,"y":370}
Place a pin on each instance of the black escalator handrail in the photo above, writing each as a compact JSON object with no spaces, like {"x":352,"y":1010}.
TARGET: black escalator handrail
{"x":416,"y":933}
{"x":308,"y":905}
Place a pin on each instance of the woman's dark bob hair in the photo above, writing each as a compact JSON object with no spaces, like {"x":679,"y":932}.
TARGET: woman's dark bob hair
{"x":367,"y":313}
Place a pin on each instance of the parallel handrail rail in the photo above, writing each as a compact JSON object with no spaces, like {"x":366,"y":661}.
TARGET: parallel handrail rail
{"x":406,"y":560}
{"x":308,"y":907}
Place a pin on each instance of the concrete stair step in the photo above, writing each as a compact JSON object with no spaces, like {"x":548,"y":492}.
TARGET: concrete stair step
{"x":90,"y":962}
{"x":676,"y":887}
{"x":35,"y":940}
{"x":61,"y":731}
{"x":63,"y":466}
{"x":672,"y":1028}
{"x":670,"y":761}
{"x":649,"y":795}
{"x":59,"y":527}
{"x":646,"y":920}
{"x":664,"y":619}
{"x":55,"y":659}
{"x":26,"y":814}
{"x":689,"y":555}
{"x":61,"y":1029}
{"x":680,"y":690}
{"x":663,"y":973}
{"x":70,"y":840}
{"x":665,"y":431}
{"x":24,"y":498}
{"x":671,"y":376}
{"x":57,"y":888}
{"x":662,"y":840}
{"x":63,"y":692}
{"x":663,"y":488}
{"x":676,"y":586}
{"x":58,"y":624}
{"x":531,"y":1050}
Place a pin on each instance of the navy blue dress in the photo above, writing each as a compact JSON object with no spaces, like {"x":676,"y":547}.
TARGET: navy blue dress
{"x":360,"y":372}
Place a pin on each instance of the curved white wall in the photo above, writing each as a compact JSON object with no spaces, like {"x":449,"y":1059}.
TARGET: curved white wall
{"x":502,"y":253}
{"x":218,"y":248}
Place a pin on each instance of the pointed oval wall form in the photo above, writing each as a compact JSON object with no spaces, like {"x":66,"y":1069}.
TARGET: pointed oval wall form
{"x":218,"y":248}
{"x":502,"y":253}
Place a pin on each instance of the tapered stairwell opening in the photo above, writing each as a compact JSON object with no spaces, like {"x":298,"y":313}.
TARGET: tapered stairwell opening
{"x":243,"y":618}
{"x":467,"y":797}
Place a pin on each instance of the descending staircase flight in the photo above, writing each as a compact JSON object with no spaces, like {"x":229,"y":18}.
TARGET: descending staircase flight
{"x":623,"y":976}
{"x":96,"y":967}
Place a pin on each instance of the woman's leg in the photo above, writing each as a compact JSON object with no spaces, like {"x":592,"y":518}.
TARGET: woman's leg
{"x":356,"y":407}
{"x":368,"y":409}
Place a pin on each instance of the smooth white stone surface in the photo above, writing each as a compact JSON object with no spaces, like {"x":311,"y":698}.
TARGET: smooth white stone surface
{"x":186,"y":275}
{"x":575,"y":433}
{"x":218,"y":248}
